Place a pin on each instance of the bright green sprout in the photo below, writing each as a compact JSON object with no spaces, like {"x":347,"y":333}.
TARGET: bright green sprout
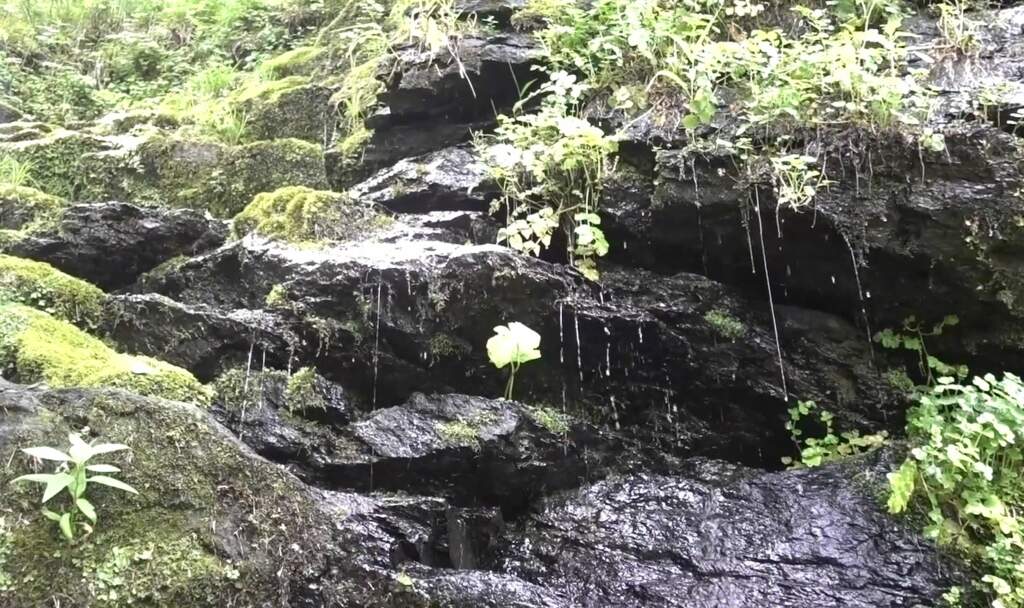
{"x":511,"y":346}
{"x":71,"y":475}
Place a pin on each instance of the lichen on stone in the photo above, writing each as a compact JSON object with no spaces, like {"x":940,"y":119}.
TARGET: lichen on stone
{"x":41,"y":286}
{"x":297,"y":214}
{"x":37,"y":347}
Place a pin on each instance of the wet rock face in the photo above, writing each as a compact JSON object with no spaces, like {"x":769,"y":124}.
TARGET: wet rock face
{"x":691,"y":362}
{"x":875,"y":250}
{"x":111,"y":244}
{"x":713,"y":535}
{"x":433,"y":102}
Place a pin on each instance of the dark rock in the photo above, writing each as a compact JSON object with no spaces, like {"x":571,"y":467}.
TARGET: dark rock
{"x":9,"y":113}
{"x":452,"y":179}
{"x":717,"y":535}
{"x":915,"y":234}
{"x":198,"y":338}
{"x":431,"y":102}
{"x":500,"y":11}
{"x":481,"y":75}
{"x":683,"y":357}
{"x":111,"y":244}
{"x":474,"y":450}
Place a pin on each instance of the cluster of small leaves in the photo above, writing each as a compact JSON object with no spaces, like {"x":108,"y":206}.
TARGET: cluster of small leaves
{"x":816,"y":69}
{"x":72,"y":475}
{"x":815,"y":451}
{"x":550,"y":165}
{"x":911,"y":337}
{"x":967,"y":453}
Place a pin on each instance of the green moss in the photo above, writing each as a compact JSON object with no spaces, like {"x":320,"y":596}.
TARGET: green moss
{"x":40,"y":348}
{"x":55,"y":161}
{"x":204,"y":175}
{"x":277,"y":297}
{"x":898,"y":379}
{"x":269,"y":90}
{"x":725,"y":325}
{"x":6,"y":582}
{"x":200,"y":497}
{"x":286,"y":108}
{"x":297,"y":214}
{"x":22,"y":205}
{"x":302,"y":393}
{"x":552,"y":420}
{"x":443,"y":345}
{"x":459,"y":433}
{"x":238,"y":388}
{"x":465,"y":432}
{"x":300,"y":60}
{"x":42,"y":286}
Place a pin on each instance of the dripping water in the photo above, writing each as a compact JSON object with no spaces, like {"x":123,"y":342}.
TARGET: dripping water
{"x":860,"y":294}
{"x":771,"y":302}
{"x":376,"y":344}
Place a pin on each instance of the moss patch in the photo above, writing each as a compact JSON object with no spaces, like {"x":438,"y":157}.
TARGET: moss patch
{"x":285,"y":108}
{"x":301,"y":392}
{"x":725,"y":325}
{"x":55,"y":161}
{"x":297,"y":214}
{"x":298,"y":61}
{"x":212,"y":525}
{"x":204,"y":175}
{"x":37,"y":347}
{"x":554,"y":421}
{"x":42,"y":286}
{"x":21,"y":205}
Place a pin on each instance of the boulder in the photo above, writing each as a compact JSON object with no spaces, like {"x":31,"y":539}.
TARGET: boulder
{"x":111,"y":244}
{"x":712,"y":534}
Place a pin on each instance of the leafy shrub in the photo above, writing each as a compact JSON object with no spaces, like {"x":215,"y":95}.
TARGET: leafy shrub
{"x":815,"y":451}
{"x":550,"y":165}
{"x":966,"y":456}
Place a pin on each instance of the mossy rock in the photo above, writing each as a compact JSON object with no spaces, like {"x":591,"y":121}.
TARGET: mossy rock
{"x":22,"y":205}
{"x":204,"y":175}
{"x":37,"y":347}
{"x":55,"y":161}
{"x":42,"y":286}
{"x":298,"y":214}
{"x":300,"y":61}
{"x":213,"y":525}
{"x":290,"y":107}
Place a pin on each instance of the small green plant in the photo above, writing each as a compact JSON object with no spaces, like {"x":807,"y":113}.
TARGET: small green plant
{"x":550,"y":165}
{"x":912,"y":336}
{"x":72,"y":475}
{"x":966,"y":456}
{"x":15,"y":172}
{"x":511,"y":346}
{"x":816,"y":451}
{"x":725,"y":325}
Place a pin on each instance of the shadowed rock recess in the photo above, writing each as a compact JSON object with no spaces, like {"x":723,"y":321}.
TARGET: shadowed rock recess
{"x":348,"y":446}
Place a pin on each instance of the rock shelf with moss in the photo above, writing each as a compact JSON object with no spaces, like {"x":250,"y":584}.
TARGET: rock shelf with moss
{"x":36,"y":347}
{"x":42,"y":286}
{"x":298,"y":214}
{"x":186,"y":540}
